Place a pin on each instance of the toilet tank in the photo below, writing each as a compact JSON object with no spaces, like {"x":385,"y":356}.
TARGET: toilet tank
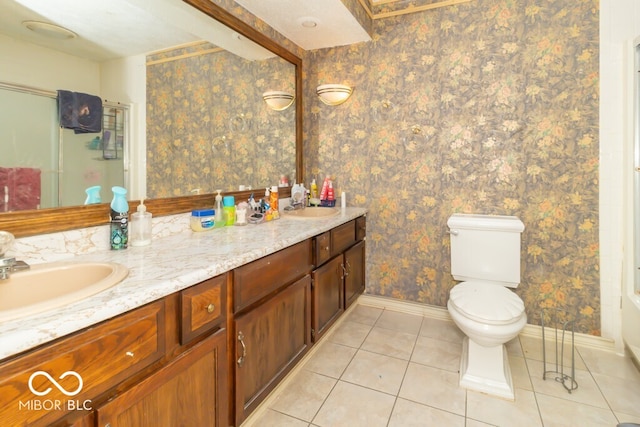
{"x":486,"y":248}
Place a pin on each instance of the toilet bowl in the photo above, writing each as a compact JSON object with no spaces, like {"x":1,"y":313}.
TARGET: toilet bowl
{"x":489,"y":316}
{"x":485,"y":259}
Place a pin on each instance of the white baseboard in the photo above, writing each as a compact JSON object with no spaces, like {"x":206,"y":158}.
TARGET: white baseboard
{"x":441,"y":313}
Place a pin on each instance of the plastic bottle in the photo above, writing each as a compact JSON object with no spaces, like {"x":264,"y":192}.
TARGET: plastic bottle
{"x":331,"y":196}
{"x":241,"y":213}
{"x":273,"y":213}
{"x":314,"y":189}
{"x":219,"y":213}
{"x":119,"y":213}
{"x":141,"y":226}
{"x":229,"y":203}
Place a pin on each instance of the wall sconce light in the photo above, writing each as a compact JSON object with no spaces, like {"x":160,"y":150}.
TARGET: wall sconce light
{"x":333,"y":94}
{"x":278,"y":100}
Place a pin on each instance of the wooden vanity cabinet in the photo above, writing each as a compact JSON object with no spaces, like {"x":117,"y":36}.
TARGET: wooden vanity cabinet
{"x":339,"y":275}
{"x":354,"y":279}
{"x":272,"y":323}
{"x":188,"y":391}
{"x":85,"y":364}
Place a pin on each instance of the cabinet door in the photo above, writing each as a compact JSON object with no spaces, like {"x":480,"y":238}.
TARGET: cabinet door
{"x":328,"y":294}
{"x":354,"y":281}
{"x":189,"y":391}
{"x":271,"y":339}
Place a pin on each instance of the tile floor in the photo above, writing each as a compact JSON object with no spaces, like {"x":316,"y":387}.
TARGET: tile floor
{"x":386,"y":368}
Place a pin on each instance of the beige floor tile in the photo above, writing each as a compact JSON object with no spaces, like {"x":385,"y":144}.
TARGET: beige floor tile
{"x":532,"y":348}
{"x":520,"y":373}
{"x":475,"y":423}
{"x":444,"y":330}
{"x":557,"y":412}
{"x":434,"y":387}
{"x":521,"y":412}
{"x":331,"y":359}
{"x":626,"y":418}
{"x":365,"y":315}
{"x":411,"y":414}
{"x":622,"y":395}
{"x":350,"y":405}
{"x":272,"y":418}
{"x":303,"y":396}
{"x":390,"y":343}
{"x":376,"y":371}
{"x":514,"y":348}
{"x":609,"y":363}
{"x":401,"y":322}
{"x":351,"y":334}
{"x":587,"y":391}
{"x":436,"y":353}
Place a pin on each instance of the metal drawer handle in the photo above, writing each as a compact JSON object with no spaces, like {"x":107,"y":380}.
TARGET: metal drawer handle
{"x":211,"y":308}
{"x":244,"y":348}
{"x":129,"y":353}
{"x":348,"y":268}
{"x":344,"y":271}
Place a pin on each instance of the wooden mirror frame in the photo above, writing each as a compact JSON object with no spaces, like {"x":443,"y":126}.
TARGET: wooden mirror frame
{"x":42,"y":221}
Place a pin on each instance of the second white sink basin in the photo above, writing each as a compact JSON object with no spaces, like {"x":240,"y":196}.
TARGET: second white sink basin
{"x":313,"y":212}
{"x":47,"y":286}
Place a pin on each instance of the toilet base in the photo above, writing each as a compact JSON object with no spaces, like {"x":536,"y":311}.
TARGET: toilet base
{"x":486,"y":369}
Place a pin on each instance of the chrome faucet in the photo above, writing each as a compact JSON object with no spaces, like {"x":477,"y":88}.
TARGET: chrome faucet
{"x":8,"y":264}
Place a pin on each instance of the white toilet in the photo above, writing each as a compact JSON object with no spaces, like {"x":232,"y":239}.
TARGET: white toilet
{"x":485,"y":258}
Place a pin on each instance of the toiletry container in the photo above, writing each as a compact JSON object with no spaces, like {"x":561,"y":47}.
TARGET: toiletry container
{"x":219,"y":212}
{"x":242,"y":213}
{"x":229,"y":206}
{"x":119,"y":214}
{"x":141,"y":226}
{"x":202,"y":219}
{"x":273,"y":212}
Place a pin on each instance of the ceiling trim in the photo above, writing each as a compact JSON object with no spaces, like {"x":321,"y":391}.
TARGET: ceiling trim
{"x":409,"y":9}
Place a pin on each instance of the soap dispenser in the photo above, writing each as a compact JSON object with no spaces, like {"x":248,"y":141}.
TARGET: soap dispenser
{"x":141,"y":226}
{"x":218,"y":219}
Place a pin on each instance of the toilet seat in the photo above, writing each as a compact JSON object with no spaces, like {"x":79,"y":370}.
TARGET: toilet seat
{"x":486,"y":303}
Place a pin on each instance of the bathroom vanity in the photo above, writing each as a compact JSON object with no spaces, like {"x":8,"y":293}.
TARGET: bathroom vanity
{"x":201,"y":331}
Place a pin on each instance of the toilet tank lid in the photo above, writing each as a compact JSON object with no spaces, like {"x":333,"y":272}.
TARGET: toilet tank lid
{"x":485,"y":222}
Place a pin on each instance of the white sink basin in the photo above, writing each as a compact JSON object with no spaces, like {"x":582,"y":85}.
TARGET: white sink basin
{"x":313,"y":213}
{"x":47,"y":286}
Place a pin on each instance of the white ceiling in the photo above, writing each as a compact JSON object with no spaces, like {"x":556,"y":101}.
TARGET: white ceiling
{"x":109,"y":29}
{"x":336,"y":26}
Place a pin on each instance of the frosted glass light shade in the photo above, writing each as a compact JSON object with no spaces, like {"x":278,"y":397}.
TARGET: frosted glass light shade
{"x":278,"y":100}
{"x":333,"y":94}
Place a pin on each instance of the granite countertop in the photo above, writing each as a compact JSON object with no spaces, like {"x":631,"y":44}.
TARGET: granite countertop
{"x":168,"y":265}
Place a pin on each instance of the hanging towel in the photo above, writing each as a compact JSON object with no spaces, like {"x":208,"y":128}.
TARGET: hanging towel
{"x":80,"y":111}
{"x":20,"y":189}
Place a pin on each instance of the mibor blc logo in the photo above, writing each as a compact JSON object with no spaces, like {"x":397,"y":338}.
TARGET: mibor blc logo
{"x":55,"y":383}
{"x":55,"y":404}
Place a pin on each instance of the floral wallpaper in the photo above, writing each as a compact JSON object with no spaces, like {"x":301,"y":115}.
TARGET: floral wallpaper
{"x":207,"y":125}
{"x":486,"y":107}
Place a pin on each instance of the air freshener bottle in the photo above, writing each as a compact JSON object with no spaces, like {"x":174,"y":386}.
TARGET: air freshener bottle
{"x":119,"y":228}
{"x":93,"y":195}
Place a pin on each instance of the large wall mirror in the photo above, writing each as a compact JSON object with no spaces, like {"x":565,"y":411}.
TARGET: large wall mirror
{"x":196,"y":118}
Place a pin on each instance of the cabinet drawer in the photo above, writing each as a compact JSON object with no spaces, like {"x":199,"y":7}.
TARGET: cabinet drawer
{"x":321,"y":248}
{"x":265,"y":275}
{"x":83,"y":365}
{"x":343,"y":237}
{"x":202,"y":307}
